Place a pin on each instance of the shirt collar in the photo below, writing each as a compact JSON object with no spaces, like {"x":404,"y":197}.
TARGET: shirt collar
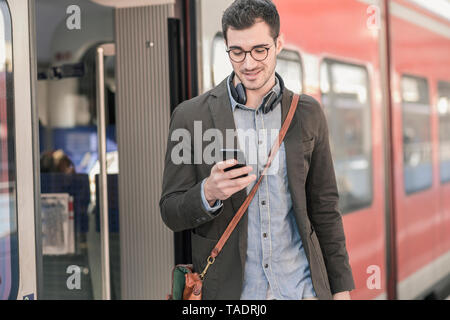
{"x":276,"y":88}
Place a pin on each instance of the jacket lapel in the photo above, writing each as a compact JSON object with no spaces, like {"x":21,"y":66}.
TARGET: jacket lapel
{"x":220,"y":106}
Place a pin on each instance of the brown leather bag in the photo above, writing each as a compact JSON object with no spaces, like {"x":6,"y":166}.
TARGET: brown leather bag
{"x":193,"y":281}
{"x":193,"y":287}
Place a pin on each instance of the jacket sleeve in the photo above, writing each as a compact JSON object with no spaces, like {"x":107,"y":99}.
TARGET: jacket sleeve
{"x":181,"y":202}
{"x":322,"y":203}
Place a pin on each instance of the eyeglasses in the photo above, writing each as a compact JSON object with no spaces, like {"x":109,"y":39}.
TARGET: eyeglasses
{"x":258,"y":53}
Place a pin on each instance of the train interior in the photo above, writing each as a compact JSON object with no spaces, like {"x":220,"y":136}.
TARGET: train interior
{"x":66,"y":95}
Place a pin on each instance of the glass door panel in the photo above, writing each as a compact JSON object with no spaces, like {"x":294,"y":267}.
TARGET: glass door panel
{"x":68,"y":35}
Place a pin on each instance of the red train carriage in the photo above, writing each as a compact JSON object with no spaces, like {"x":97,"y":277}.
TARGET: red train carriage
{"x":342,"y":42}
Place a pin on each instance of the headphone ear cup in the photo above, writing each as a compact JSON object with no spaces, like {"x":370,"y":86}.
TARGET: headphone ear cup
{"x":233,"y":91}
{"x":274,"y":100}
{"x":241,"y":96}
{"x":269,"y":103}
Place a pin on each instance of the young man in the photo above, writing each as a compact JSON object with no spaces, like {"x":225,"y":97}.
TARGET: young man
{"x":290,"y":244}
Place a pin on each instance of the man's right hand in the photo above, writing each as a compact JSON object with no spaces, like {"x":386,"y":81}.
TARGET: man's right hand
{"x":220,"y":185}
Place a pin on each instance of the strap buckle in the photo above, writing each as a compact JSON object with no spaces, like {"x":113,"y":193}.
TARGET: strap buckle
{"x":209,"y":261}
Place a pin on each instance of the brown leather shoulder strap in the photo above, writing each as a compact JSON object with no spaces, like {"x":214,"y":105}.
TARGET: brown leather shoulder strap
{"x":240,"y":213}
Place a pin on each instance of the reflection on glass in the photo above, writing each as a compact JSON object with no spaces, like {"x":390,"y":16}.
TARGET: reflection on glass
{"x":221,"y":65}
{"x":444,"y":130}
{"x":350,"y":80}
{"x":290,"y":69}
{"x":345,"y":97}
{"x":417,"y":168}
{"x":9,"y":254}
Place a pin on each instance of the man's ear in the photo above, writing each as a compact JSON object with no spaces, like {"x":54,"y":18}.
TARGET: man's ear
{"x":280,"y":43}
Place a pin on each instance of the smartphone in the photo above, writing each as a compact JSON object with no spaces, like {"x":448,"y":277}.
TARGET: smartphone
{"x":237,"y":154}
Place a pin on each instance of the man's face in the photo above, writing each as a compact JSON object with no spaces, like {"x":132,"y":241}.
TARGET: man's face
{"x":254,"y":74}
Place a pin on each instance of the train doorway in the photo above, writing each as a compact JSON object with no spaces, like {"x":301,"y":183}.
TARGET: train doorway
{"x":102,"y":97}
{"x":77,"y":130}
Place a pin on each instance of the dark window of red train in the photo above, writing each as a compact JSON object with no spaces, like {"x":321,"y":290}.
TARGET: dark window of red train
{"x":417,"y":166}
{"x":346,"y":100}
{"x":444,"y":130}
{"x":9,"y":269}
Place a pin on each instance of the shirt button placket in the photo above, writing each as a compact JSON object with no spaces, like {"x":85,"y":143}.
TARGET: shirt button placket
{"x":265,"y":228}
{"x":263,"y":195}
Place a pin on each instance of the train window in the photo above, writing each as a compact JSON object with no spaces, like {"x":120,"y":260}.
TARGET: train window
{"x":9,"y":270}
{"x":221,"y":65}
{"x":289,"y":66}
{"x":346,"y":101}
{"x":444,"y":129}
{"x":417,"y":166}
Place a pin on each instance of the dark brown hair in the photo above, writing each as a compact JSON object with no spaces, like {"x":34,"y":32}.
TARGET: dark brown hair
{"x":242,"y":14}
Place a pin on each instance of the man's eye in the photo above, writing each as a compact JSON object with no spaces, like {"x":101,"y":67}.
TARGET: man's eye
{"x":237,"y":52}
{"x":260,"y":50}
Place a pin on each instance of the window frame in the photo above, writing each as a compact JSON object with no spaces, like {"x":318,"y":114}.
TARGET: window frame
{"x":11,"y":154}
{"x":439,"y":83}
{"x":329,"y":62}
{"x":218,"y":36}
{"x":298,"y":59}
{"x":427,"y":82}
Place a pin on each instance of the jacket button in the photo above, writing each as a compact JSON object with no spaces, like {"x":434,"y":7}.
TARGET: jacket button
{"x":263,"y":203}
{"x":266,"y":266}
{"x":265,"y":235}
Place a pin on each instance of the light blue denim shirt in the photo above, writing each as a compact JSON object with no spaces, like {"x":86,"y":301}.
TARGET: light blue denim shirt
{"x":276,"y":264}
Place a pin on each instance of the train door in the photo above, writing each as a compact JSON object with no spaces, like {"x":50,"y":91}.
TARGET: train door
{"x":17,"y":250}
{"x":102,"y":94}
{"x":75,"y":101}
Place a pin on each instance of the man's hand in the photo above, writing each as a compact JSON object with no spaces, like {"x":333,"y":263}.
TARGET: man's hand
{"x":344,"y":295}
{"x":220,"y":185}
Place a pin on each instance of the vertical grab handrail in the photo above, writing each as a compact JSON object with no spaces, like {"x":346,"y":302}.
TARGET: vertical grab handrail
{"x":102,"y":51}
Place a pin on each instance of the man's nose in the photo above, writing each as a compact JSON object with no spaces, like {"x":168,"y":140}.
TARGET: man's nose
{"x":249,"y":63}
